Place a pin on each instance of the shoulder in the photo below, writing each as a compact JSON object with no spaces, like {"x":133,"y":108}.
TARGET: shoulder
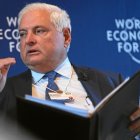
{"x":99,"y":75}
{"x":21,"y":77}
{"x":18,"y":83}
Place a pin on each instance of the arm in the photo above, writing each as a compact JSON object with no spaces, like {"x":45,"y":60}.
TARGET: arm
{"x":5,"y":64}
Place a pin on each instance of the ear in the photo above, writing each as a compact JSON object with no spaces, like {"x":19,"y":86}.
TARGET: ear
{"x":67,"y":37}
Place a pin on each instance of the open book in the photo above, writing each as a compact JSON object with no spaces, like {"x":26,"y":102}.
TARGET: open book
{"x":109,"y":120}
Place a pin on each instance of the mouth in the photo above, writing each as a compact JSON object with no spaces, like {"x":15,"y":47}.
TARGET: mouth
{"x":32,"y":52}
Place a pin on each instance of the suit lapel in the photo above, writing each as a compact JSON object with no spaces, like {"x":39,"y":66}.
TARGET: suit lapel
{"x":29,"y":83}
{"x":90,"y":84}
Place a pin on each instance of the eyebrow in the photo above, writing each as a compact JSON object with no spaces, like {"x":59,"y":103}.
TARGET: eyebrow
{"x":38,"y":26}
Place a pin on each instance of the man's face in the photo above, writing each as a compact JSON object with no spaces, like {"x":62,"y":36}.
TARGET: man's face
{"x":42,"y":47}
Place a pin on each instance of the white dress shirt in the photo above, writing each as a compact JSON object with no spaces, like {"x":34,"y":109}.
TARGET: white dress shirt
{"x":67,"y":82}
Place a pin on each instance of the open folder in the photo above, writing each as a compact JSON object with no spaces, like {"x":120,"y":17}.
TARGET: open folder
{"x":109,"y":121}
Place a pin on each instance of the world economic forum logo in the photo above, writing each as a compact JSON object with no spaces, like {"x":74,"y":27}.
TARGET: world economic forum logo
{"x":126,"y":36}
{"x":9,"y":33}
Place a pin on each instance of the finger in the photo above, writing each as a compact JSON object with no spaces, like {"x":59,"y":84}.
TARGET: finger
{"x":5,"y":70}
{"x":135,"y":126}
{"x":5,"y":62}
{"x":135,"y":115}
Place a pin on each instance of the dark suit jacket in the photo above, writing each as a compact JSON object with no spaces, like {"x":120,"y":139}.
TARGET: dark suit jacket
{"x":96,"y":83}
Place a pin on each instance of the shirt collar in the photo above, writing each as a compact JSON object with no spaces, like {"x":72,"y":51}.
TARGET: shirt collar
{"x":36,"y":76}
{"x":64,"y":69}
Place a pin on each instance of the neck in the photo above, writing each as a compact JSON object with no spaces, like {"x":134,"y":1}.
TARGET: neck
{"x":45,"y":68}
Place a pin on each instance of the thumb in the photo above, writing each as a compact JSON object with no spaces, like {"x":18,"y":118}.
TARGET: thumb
{"x":4,"y":70}
{"x":3,"y":76}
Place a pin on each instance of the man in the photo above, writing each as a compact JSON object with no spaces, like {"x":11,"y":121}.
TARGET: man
{"x":45,"y":36}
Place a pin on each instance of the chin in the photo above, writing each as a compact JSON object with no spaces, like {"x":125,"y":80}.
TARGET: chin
{"x":33,"y":61}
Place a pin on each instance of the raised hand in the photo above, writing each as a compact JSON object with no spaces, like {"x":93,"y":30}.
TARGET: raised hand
{"x":5,"y":64}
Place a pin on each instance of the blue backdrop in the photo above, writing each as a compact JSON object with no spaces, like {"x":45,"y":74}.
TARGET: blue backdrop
{"x":105,"y":33}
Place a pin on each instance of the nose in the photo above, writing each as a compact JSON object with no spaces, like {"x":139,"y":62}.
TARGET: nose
{"x":30,"y":39}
